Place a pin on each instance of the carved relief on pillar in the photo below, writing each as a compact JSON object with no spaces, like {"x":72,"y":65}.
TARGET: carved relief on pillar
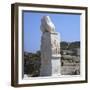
{"x":55,"y":46}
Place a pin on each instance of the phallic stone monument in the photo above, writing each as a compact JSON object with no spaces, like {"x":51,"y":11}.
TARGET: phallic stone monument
{"x":50,"y":48}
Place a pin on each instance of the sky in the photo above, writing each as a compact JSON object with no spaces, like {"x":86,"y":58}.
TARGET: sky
{"x":68,"y":25}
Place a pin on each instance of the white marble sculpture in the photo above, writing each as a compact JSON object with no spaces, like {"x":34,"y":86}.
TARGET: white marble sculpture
{"x":47,"y":25}
{"x":50,"y":48}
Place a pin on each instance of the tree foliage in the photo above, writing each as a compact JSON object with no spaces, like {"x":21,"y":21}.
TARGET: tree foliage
{"x":32,"y":63}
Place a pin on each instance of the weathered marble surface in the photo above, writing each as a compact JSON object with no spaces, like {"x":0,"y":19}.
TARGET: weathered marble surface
{"x":47,"y":25}
{"x":50,"y":48}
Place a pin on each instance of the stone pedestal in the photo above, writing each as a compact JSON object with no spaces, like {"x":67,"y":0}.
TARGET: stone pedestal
{"x":50,"y":54}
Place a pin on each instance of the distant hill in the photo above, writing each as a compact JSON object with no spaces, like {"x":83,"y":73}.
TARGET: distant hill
{"x":69,"y":45}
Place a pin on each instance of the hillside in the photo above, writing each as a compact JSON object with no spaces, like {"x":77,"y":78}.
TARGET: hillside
{"x":70,"y":60}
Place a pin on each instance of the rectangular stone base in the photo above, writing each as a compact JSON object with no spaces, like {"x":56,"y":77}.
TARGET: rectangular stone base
{"x":56,"y":65}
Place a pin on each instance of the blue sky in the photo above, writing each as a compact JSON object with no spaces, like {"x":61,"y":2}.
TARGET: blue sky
{"x":67,"y":24}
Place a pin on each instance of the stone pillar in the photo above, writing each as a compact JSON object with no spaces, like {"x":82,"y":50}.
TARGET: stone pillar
{"x":50,"y":51}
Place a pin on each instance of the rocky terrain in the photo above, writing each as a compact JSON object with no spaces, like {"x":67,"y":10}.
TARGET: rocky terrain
{"x":70,"y":60}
